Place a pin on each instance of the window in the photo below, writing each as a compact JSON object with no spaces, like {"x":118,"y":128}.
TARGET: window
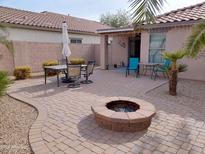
{"x":76,"y":40}
{"x":156,"y":47}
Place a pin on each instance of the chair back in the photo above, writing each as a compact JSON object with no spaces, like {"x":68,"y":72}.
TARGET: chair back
{"x":62,"y":62}
{"x":74,"y":71}
{"x":167,"y":63}
{"x":90,"y":67}
{"x":133,"y":63}
{"x":91,"y":61}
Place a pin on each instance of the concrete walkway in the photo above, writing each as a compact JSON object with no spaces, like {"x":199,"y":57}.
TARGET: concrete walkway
{"x":65,"y":123}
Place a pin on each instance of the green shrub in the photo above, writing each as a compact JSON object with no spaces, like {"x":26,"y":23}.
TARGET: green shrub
{"x":77,"y":61}
{"x":50,"y":63}
{"x":22,"y":72}
{"x":4,"y":82}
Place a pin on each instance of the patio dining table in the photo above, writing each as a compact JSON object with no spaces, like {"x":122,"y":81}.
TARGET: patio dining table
{"x":148,"y":67}
{"x":58,"y":69}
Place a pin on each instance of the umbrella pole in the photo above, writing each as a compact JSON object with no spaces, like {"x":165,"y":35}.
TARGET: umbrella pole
{"x":66,"y":60}
{"x":67,"y":67}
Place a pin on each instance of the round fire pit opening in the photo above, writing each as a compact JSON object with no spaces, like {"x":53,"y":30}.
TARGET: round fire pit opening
{"x":122,"y":106}
{"x":124,"y":114}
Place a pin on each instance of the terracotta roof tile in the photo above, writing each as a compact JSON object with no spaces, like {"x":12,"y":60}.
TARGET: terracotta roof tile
{"x":194,"y":12}
{"x":48,"y":20}
{"x":191,"y":13}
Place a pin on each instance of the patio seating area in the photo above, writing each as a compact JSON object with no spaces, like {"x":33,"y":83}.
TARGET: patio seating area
{"x":66,"y":124}
{"x":72,"y":73}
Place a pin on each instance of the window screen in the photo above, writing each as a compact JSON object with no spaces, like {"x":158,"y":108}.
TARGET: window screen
{"x":156,"y":47}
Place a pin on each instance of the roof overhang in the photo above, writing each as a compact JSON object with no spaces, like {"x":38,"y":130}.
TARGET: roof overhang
{"x":147,"y":27}
{"x":115,"y":30}
{"x":45,"y":29}
{"x":170,"y":24}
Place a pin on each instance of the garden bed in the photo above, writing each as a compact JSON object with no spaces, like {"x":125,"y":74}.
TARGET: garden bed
{"x":15,"y":122}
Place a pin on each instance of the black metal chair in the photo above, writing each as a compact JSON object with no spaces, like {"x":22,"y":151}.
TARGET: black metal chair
{"x":88,"y":71}
{"x":62,"y":62}
{"x":74,"y":74}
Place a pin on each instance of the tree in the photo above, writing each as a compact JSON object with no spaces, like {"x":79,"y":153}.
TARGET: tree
{"x":4,"y":79}
{"x":4,"y":40}
{"x":145,"y":10}
{"x":175,"y":68}
{"x":121,"y":18}
{"x":196,"y":41}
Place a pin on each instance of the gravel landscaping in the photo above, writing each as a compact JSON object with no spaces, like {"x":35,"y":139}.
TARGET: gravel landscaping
{"x":15,"y":120}
{"x":190,"y":93}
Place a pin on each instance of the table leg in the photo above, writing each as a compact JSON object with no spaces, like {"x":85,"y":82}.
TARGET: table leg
{"x":142,"y":69}
{"x":58,"y":81}
{"x":145,"y":73}
{"x":45,"y":72}
{"x":153,"y":73}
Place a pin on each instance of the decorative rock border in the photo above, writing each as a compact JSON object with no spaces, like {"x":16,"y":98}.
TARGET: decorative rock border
{"x":35,"y":137}
{"x":124,"y":121}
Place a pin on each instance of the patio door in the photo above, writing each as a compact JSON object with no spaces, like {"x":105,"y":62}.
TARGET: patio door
{"x":134,"y":47}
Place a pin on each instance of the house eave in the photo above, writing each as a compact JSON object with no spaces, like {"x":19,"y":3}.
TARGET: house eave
{"x":45,"y":29}
{"x":148,"y":26}
{"x":170,"y":24}
{"x":115,"y":30}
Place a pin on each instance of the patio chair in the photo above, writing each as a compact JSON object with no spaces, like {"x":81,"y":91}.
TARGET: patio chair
{"x":133,"y":66}
{"x":62,"y":62}
{"x":164,"y":68}
{"x":88,"y":71}
{"x":74,"y":74}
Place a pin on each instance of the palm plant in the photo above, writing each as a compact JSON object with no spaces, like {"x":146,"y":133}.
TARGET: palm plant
{"x":175,"y":68}
{"x":4,"y":80}
{"x":145,"y":10}
{"x":4,"y":40}
{"x":196,"y":41}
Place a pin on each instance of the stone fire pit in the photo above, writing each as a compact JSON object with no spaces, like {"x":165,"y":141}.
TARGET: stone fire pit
{"x":124,"y":114}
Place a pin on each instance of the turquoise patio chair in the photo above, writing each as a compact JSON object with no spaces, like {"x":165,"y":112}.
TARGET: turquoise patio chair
{"x":164,"y":68}
{"x":133,"y":65}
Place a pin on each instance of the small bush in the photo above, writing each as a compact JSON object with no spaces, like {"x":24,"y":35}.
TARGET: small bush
{"x":22,"y":72}
{"x":77,"y":61}
{"x":4,"y":82}
{"x":50,"y":63}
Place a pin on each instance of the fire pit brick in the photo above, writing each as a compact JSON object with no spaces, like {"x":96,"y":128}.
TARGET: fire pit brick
{"x":137,"y":119}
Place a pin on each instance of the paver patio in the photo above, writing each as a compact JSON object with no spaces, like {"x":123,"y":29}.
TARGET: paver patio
{"x":66,"y":124}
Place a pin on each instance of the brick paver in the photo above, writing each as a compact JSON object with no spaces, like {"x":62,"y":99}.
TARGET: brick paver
{"x":66,"y":124}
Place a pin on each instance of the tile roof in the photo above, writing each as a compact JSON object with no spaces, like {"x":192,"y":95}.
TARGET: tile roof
{"x":186,"y":14}
{"x":48,"y":20}
{"x":191,"y":13}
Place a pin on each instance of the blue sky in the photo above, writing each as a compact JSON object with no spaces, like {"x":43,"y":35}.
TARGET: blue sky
{"x":90,"y":9}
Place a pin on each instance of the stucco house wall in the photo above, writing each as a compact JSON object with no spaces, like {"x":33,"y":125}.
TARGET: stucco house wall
{"x":118,"y":50}
{"x":28,"y":35}
{"x":175,"y":39}
{"x":33,"y":47}
{"x":144,"y":53}
{"x":6,"y":59}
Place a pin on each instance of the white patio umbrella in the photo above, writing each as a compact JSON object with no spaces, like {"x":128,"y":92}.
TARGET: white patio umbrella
{"x":66,"y":50}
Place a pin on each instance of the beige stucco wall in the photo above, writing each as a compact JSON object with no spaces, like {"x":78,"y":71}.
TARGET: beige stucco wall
{"x":144,"y":53}
{"x":175,"y":39}
{"x":33,"y":47}
{"x":6,"y":59}
{"x":118,"y":50}
{"x":29,"y":35}
{"x":33,"y":54}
